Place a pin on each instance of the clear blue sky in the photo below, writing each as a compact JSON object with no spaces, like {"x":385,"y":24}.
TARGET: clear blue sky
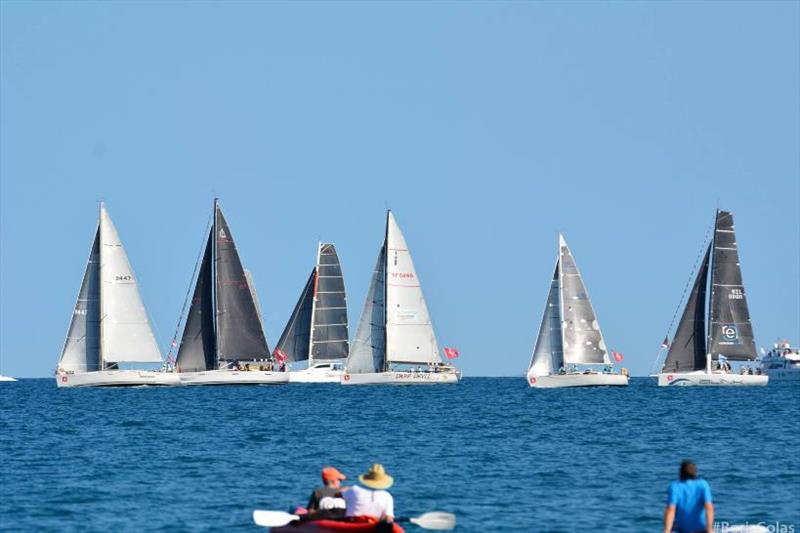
{"x":486,"y":127}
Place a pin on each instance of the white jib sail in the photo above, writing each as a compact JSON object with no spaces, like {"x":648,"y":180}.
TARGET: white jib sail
{"x":548,"y":354}
{"x":409,"y":332}
{"x":126,"y":332}
{"x":368,"y":349}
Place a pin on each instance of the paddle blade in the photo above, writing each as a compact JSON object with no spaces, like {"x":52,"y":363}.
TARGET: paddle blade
{"x":273,"y":518}
{"x":435,"y":520}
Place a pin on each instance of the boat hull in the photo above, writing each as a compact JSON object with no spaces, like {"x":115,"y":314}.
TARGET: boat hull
{"x":234,"y":377}
{"x":312,"y":375}
{"x":116,"y":378}
{"x":7,"y":378}
{"x":789,"y":375}
{"x":401,"y":378}
{"x":554,"y":381}
{"x":333,"y":526}
{"x":712,"y":379}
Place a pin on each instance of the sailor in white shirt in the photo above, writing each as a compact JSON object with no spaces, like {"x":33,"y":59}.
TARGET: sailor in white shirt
{"x":371,"y":500}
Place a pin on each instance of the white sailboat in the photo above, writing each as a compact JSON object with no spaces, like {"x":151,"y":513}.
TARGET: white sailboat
{"x":316,"y":334}
{"x":109,"y":323}
{"x":223,"y":339}
{"x":569,"y":335}
{"x":395,"y":342}
{"x":730,"y":333}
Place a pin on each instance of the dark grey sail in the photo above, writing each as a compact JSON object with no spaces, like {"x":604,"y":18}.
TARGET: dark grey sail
{"x":329,"y":333}
{"x":368,"y":353}
{"x":294,"y":340}
{"x":240,"y":335}
{"x":197,"y":352}
{"x":688,"y":349}
{"x":81,"y":351}
{"x":730,"y":330}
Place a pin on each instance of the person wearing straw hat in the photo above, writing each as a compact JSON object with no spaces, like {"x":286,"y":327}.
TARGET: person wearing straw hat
{"x":369,"y":500}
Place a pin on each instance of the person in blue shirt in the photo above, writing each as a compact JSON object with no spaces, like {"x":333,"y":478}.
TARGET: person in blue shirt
{"x":689,"y":505}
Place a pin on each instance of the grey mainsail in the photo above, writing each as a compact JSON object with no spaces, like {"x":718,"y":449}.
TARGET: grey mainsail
{"x":582,"y":339}
{"x":197,"y":349}
{"x":240,"y":335}
{"x":548,"y":354}
{"x":688,"y":349}
{"x":368,"y":350}
{"x":294,"y":340}
{"x":81,"y":351}
{"x":329,"y":331}
{"x":730,"y":329}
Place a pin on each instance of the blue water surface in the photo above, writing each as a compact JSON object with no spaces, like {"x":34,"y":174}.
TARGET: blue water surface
{"x":501,"y":456}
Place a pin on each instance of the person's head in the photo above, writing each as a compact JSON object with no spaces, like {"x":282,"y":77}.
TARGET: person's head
{"x":331,"y":477}
{"x":688,"y":470}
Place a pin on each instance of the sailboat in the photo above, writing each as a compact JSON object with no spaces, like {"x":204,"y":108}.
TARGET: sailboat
{"x":395,"y":342}
{"x":730,"y":333}
{"x":109,"y":323}
{"x":317,"y":330}
{"x":569,"y":334}
{"x":223,"y":339}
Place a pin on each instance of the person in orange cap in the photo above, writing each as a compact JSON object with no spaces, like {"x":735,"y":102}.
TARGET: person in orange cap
{"x":328,"y":497}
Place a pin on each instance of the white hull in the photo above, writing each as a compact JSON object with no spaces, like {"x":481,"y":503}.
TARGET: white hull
{"x":713,"y":379}
{"x":233,"y":377}
{"x":116,"y":378}
{"x":553,"y":381}
{"x":315,"y":375}
{"x":400,"y":378}
{"x":6,"y":378}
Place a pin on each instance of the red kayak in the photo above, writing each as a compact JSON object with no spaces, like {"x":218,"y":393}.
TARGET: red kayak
{"x":332,"y":526}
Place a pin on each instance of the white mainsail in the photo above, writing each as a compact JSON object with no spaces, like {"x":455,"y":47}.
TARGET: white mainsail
{"x":548,"y":355}
{"x":582,"y":339}
{"x":126,"y":335}
{"x":81,"y":351}
{"x":409,"y":332}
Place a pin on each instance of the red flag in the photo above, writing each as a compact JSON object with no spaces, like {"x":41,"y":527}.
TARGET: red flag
{"x":451,"y":353}
{"x":279,"y":355}
{"x":617,"y":356}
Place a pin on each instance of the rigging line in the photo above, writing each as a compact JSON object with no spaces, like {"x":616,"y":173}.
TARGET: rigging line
{"x":174,"y":343}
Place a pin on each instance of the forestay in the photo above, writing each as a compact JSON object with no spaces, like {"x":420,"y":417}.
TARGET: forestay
{"x":730,"y":329}
{"x":548,"y":354}
{"x":582,"y":338}
{"x":126,"y":332}
{"x":409,"y":332}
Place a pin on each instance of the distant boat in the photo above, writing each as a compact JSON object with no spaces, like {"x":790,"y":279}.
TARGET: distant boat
{"x":109,"y":323}
{"x":782,"y":363}
{"x":223,"y":339}
{"x":6,"y":378}
{"x":569,"y":335}
{"x":317,"y":330}
{"x":730,"y":333}
{"x":395,"y":342}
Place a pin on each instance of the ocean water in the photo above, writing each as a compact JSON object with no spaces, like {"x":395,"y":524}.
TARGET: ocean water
{"x":499,"y":455}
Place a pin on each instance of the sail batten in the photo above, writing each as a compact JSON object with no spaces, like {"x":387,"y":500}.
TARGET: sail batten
{"x":730,"y":330}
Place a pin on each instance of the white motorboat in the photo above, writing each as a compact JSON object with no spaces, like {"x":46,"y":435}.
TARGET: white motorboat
{"x":694,"y":358}
{"x":6,"y":378}
{"x":782,"y":363}
{"x":395,"y":334}
{"x":109,"y":323}
{"x":570,"y":335}
{"x":318,"y":373}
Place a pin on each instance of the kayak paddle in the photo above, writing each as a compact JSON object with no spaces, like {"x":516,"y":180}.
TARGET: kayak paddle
{"x":432,"y":520}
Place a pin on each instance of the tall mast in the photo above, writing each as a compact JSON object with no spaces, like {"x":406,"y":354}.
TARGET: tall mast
{"x":214,"y":282}
{"x":561,"y":243}
{"x":711,"y":293}
{"x":386,"y":293}
{"x":313,"y":308}
{"x":101,"y":363}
